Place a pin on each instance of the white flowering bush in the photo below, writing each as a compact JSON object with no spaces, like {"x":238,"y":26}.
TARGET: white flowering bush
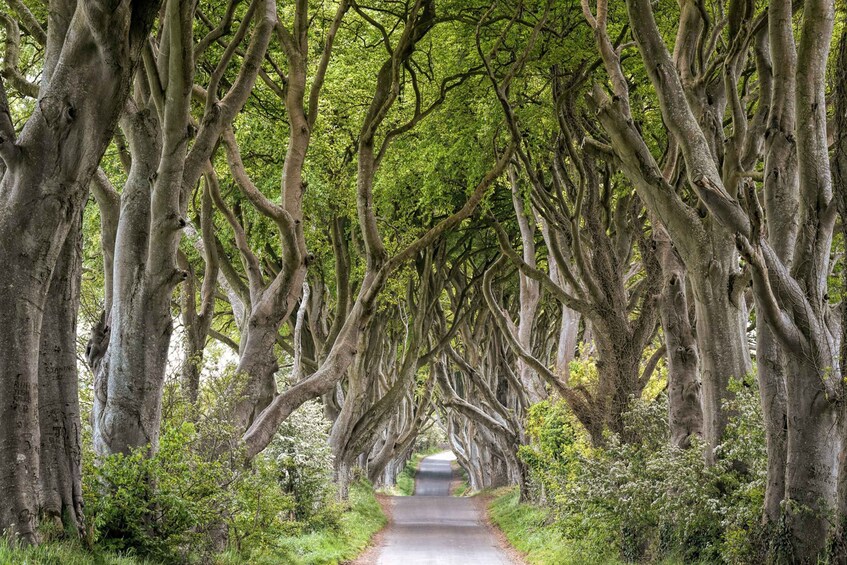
{"x":303,"y":459}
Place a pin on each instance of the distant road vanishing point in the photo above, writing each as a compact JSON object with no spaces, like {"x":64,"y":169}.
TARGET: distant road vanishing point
{"x":434,"y":528}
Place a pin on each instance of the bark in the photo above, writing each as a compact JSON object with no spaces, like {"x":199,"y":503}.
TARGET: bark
{"x":58,"y":393}
{"x":721,"y":324}
{"x":685,"y":415}
{"x":781,"y":209}
{"x":839,"y":178}
{"x":530,"y":291}
{"x":798,"y":311}
{"x":272,"y":302}
{"x":48,"y":169}
{"x":197,"y":323}
{"x":706,"y":248}
{"x":164,"y":170}
{"x":127,"y":415}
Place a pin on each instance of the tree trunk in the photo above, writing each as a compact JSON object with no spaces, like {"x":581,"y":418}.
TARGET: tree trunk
{"x":814,"y":444}
{"x":58,"y":392}
{"x":721,"y":332}
{"x":258,"y":365}
{"x":48,"y":169}
{"x":127,"y":405}
{"x":529,"y":291}
{"x":685,"y":414}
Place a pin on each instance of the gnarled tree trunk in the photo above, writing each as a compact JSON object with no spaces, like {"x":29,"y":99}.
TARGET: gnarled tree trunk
{"x":47,"y":172}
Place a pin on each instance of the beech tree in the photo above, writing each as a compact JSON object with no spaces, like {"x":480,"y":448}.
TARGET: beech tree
{"x":789,"y":259}
{"x":90,"y":54}
{"x":554,"y":233}
{"x":163,"y":172}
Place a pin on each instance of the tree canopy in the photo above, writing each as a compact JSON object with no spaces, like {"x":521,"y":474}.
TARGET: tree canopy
{"x":583,"y":241}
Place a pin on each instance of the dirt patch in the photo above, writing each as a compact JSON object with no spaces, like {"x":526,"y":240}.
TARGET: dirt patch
{"x":482,"y":501}
{"x":371,"y":553}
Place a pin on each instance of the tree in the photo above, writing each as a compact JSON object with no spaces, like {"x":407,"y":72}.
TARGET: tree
{"x":91,"y":52}
{"x":791,"y":297}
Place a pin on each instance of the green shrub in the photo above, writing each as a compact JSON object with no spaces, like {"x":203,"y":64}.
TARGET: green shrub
{"x":159,"y":506}
{"x":648,"y":499}
{"x":303,"y":458}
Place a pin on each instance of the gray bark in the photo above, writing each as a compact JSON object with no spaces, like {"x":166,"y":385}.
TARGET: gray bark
{"x":47,"y":172}
{"x":130,"y":381}
{"x":58,"y":393}
{"x":530,"y":290}
{"x":793,"y":302}
{"x":706,"y":248}
{"x":685,"y":414}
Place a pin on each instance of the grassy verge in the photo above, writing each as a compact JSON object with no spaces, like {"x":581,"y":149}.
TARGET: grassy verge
{"x":61,"y":553}
{"x":324,"y":547}
{"x":529,"y":529}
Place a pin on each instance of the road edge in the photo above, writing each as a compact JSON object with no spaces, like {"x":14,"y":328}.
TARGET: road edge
{"x":369,"y":555}
{"x":482,"y":501}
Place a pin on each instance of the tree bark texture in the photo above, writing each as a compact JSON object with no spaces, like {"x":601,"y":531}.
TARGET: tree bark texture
{"x":48,"y":169}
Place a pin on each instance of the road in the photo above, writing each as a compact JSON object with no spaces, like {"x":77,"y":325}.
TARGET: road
{"x":434,"y":528}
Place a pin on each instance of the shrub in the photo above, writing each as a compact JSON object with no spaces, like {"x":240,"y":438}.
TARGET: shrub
{"x":303,"y":459}
{"x":159,"y":506}
{"x":649,"y":499}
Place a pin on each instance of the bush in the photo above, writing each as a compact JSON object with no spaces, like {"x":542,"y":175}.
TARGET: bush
{"x":194,"y":496}
{"x":160,"y":506}
{"x":303,"y":458}
{"x":648,"y":499}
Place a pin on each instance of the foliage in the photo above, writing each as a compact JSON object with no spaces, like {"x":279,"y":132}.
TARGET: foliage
{"x":193,"y":496}
{"x":361,"y":519}
{"x":159,"y":506}
{"x":647,"y":500}
{"x":301,"y":455}
{"x":528,"y":527}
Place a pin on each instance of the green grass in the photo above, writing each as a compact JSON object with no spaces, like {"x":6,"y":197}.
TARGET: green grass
{"x":324,"y":547}
{"x":62,"y":553}
{"x":529,"y":529}
{"x":532,"y":531}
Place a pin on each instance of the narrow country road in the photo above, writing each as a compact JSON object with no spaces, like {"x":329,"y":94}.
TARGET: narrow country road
{"x":434,"y":528}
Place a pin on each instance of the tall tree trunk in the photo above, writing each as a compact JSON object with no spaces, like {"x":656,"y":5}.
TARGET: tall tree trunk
{"x":721,"y":332}
{"x":127,"y":404}
{"x":685,"y":413}
{"x":781,"y":208}
{"x":48,"y":169}
{"x":529,"y":290}
{"x":58,"y":392}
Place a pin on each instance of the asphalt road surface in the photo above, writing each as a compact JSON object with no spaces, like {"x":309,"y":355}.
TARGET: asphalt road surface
{"x":434,"y":528}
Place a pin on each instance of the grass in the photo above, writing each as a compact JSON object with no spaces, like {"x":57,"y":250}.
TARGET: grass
{"x":532,"y":531}
{"x":62,"y":553}
{"x":527,"y":529}
{"x":324,"y":547}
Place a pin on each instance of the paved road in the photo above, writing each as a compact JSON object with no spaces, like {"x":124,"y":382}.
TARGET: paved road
{"x":433,"y":528}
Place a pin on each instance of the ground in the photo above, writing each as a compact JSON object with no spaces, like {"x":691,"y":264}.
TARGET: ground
{"x":433,"y":527}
